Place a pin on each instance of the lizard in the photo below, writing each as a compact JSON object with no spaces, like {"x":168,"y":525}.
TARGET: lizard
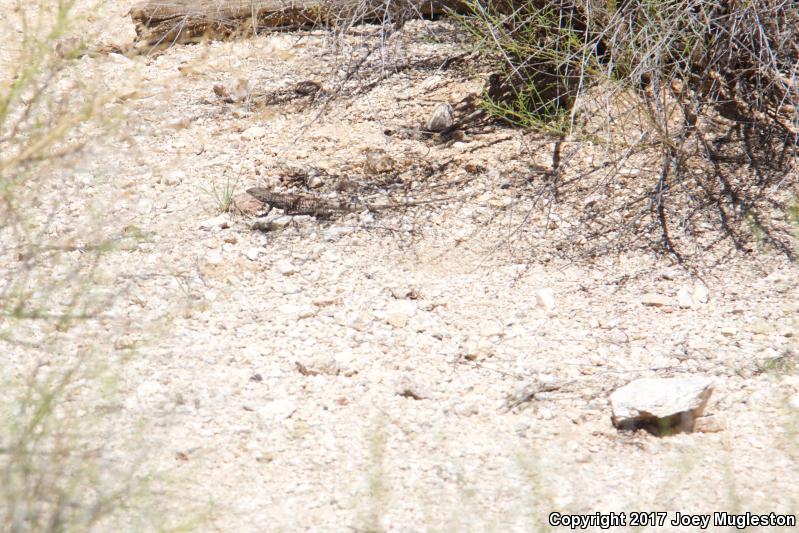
{"x":299,"y":204}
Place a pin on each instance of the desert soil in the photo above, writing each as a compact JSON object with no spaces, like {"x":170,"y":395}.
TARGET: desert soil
{"x":357,"y":373}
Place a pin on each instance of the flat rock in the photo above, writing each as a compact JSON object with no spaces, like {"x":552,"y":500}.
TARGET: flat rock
{"x":399,"y":312}
{"x":335,"y":232}
{"x":661,"y":405}
{"x":254,"y":132}
{"x":684,"y":298}
{"x":618,"y":336}
{"x":545,"y":298}
{"x":174,"y":177}
{"x":285,"y":267}
{"x":272,"y":223}
{"x":404,"y":292}
{"x":492,"y":329}
{"x":708,"y":424}
{"x":275,"y":411}
{"x":292,"y":312}
{"x":407,"y":388}
{"x":761,"y":327}
{"x":652,"y":299}
{"x":670,"y":273}
{"x":701,"y":294}
{"x":440,"y":119}
{"x":218,"y":222}
{"x":214,"y":257}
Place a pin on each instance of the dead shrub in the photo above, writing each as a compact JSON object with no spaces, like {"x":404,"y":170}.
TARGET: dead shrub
{"x":699,"y":98}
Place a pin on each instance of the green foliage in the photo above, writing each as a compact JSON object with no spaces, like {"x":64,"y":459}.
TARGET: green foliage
{"x":552,"y":52}
{"x":781,"y":365}
{"x":544,"y":58}
{"x":59,"y":372}
{"x":699,"y":92}
{"x":223,"y":195}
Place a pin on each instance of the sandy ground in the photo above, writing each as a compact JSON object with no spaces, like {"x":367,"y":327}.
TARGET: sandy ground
{"x":354,"y":374}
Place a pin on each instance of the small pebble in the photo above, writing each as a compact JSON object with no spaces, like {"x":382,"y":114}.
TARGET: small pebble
{"x":285,"y":267}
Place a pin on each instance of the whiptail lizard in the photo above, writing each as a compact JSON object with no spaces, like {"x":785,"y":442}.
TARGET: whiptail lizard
{"x":299,"y":204}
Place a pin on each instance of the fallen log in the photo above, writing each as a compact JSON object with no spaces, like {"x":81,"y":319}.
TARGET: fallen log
{"x":161,"y":23}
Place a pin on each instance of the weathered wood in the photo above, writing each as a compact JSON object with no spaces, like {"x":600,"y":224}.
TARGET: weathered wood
{"x":162,"y":23}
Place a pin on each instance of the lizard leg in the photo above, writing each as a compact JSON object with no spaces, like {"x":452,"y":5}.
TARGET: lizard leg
{"x":265,"y":213}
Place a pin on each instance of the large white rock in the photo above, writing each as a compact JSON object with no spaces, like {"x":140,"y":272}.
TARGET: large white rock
{"x":664,"y":404}
{"x":274,"y":412}
{"x":254,"y":132}
{"x":545,"y":298}
{"x":220,"y":221}
{"x":335,"y":232}
{"x":272,"y":222}
{"x":440,"y":119}
{"x":398,"y":313}
{"x":684,"y":298}
{"x":285,"y":267}
{"x":700,"y":294}
{"x":652,"y":299}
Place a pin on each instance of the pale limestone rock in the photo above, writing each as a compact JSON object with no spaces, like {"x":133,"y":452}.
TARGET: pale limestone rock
{"x":440,"y":119}
{"x":618,"y":336}
{"x":335,"y":232}
{"x":274,"y":412}
{"x":285,"y":267}
{"x":306,"y":311}
{"x":761,"y":327}
{"x":214,"y":257}
{"x":661,"y":405}
{"x":173,"y":178}
{"x":241,"y":91}
{"x":399,"y":312}
{"x":492,"y":329}
{"x":254,"y":132}
{"x":700,"y":294}
{"x":408,"y":388}
{"x":218,"y":222}
{"x":651,"y":299}
{"x":430,"y":82}
{"x":404,"y":292}
{"x":272,"y":223}
{"x":545,"y":298}
{"x":669,"y":273}
{"x":684,"y":298}
{"x":708,"y":424}
{"x":292,"y":312}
